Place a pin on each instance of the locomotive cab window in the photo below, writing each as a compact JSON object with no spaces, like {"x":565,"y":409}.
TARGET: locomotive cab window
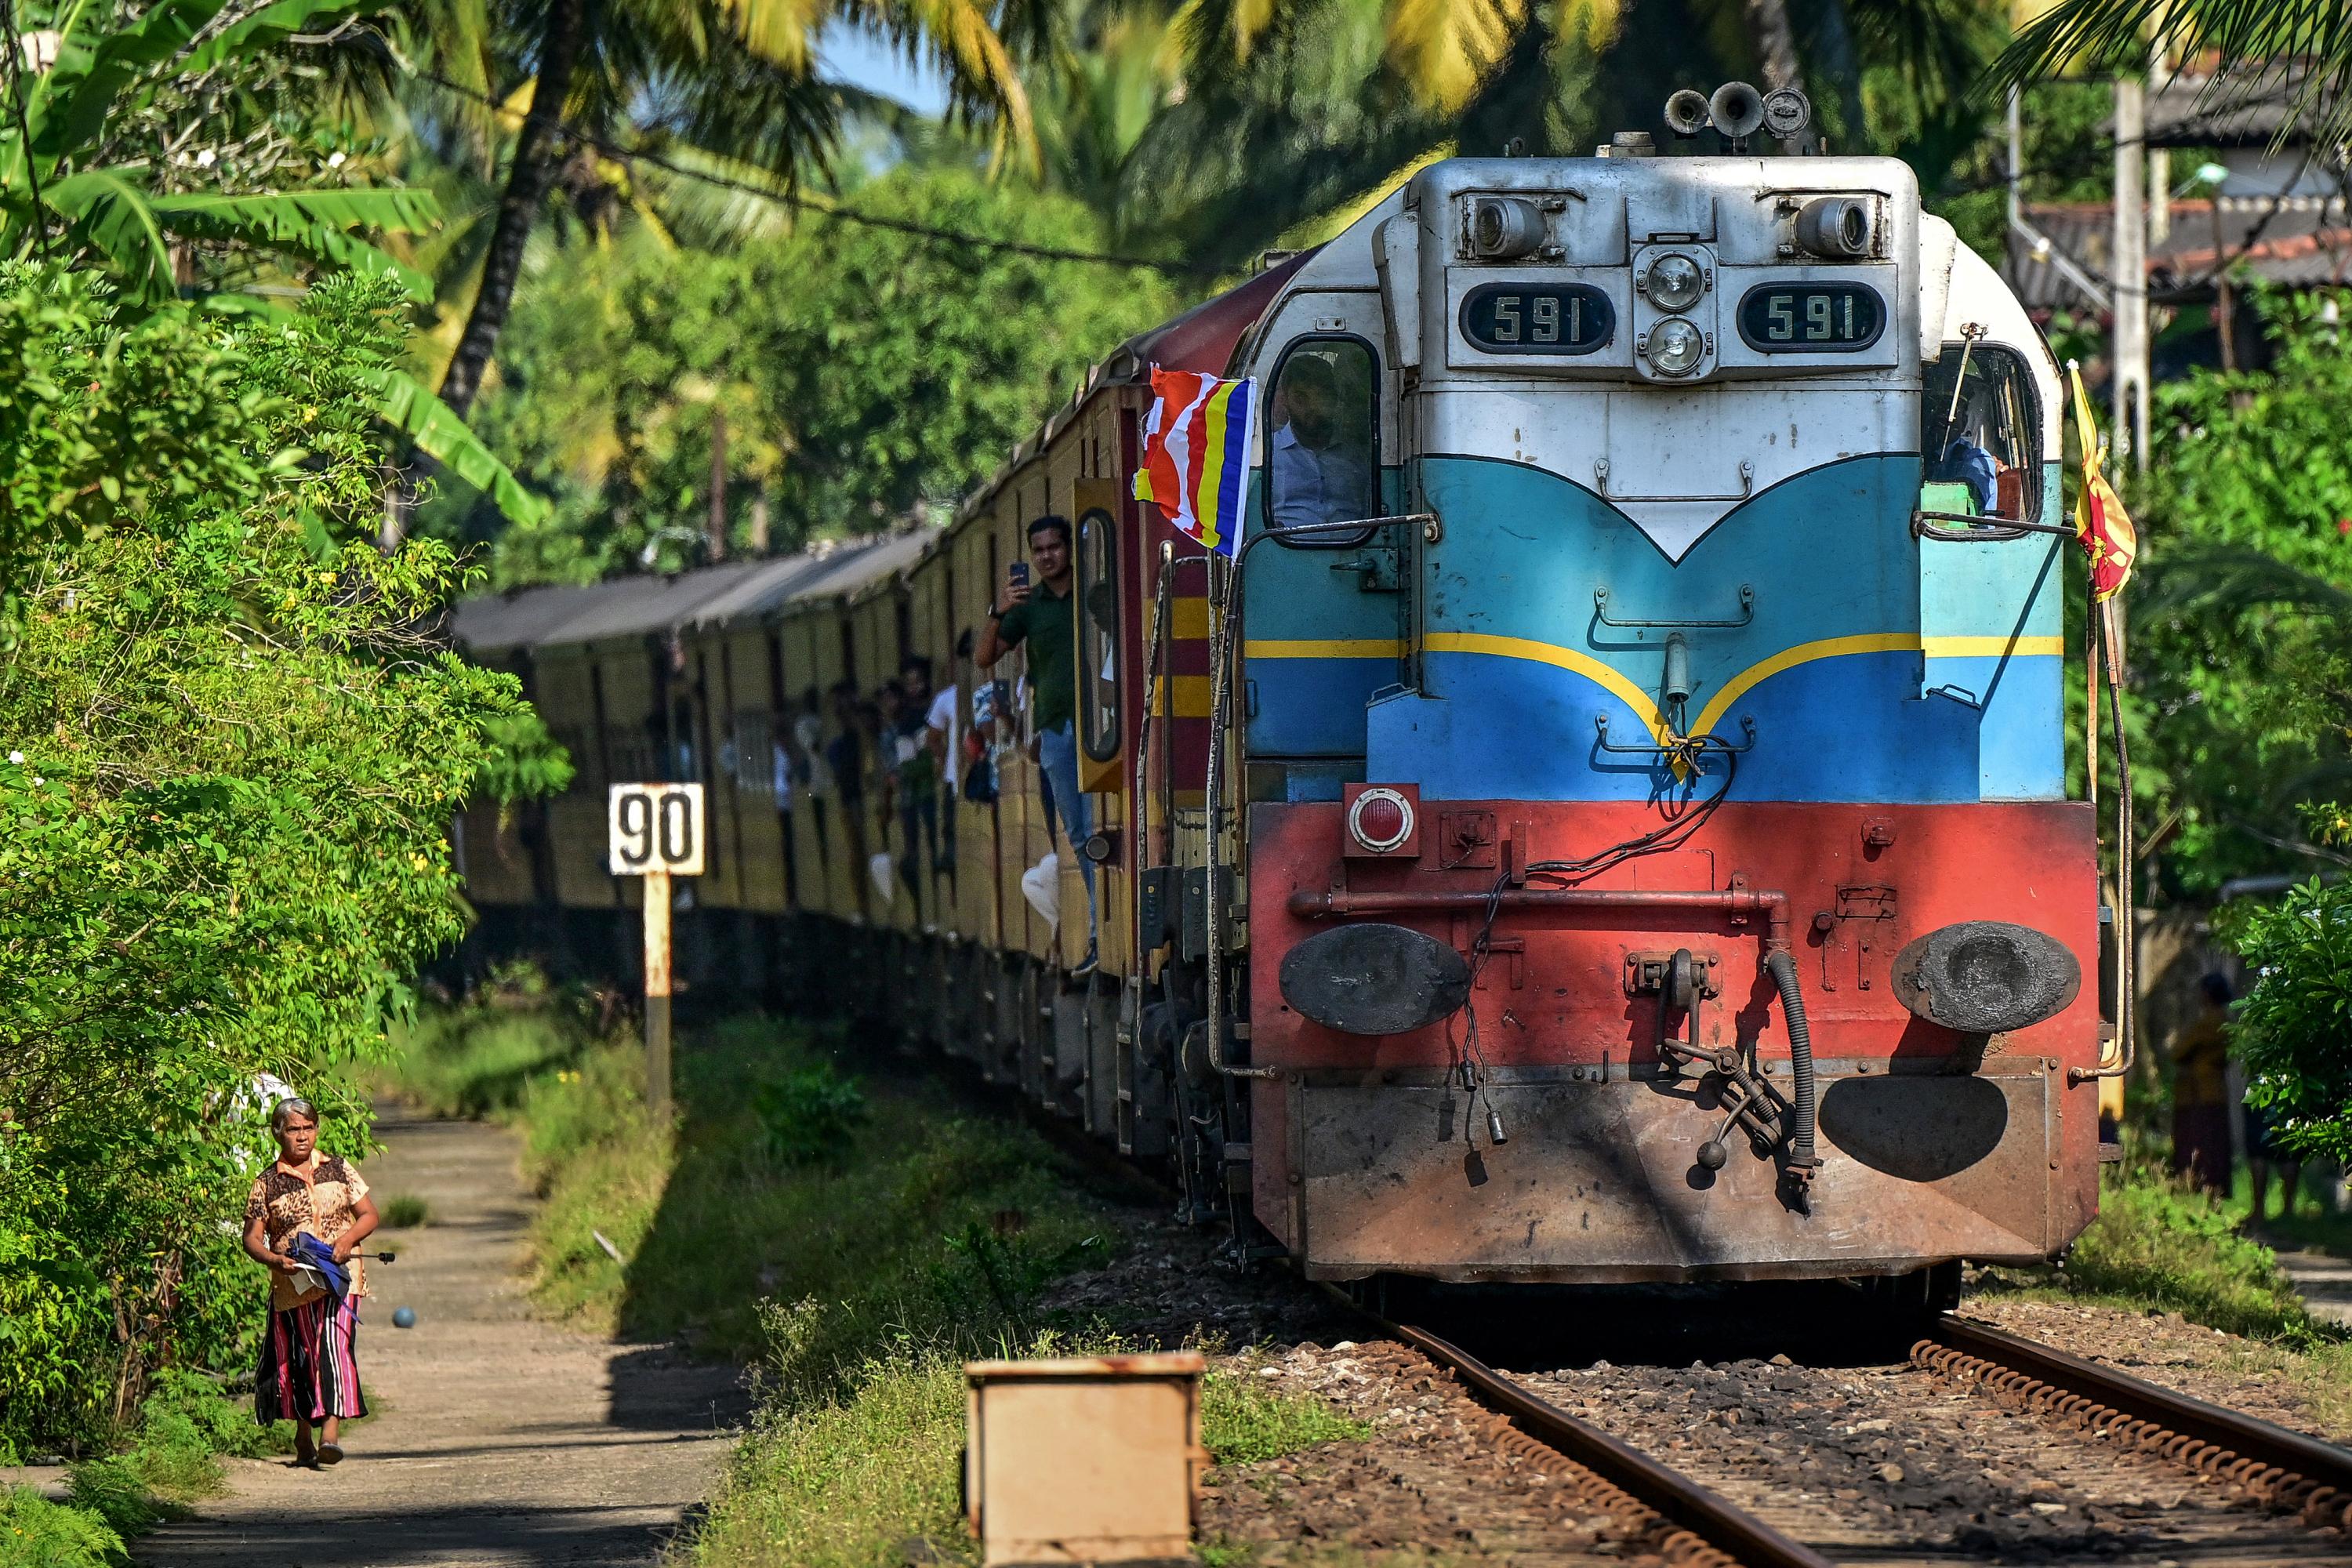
{"x":1323,"y":449}
{"x":1979,"y":424}
{"x":1098,"y":638}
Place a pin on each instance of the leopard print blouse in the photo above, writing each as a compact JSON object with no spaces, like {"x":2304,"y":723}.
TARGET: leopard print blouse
{"x":325,"y":1206}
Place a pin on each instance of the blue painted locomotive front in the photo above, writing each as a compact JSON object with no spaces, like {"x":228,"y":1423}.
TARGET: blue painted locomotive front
{"x":1871,"y":667}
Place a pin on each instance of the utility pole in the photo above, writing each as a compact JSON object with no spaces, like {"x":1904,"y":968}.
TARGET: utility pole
{"x":717,"y":527}
{"x":2128,"y":263}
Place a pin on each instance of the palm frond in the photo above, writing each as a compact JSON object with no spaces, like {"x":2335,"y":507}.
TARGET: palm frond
{"x":409,"y":406}
{"x":97,"y":57}
{"x":2200,"y":578}
{"x":113,"y":218}
{"x":2298,"y":50}
{"x":314,"y":224}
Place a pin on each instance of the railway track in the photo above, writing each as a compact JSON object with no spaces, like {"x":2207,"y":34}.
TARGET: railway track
{"x":1684,"y":1521}
{"x":2285,"y":1471}
{"x":1911,"y":1462}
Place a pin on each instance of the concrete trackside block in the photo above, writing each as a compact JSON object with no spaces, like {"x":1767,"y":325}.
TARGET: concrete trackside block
{"x":1084,"y":1459}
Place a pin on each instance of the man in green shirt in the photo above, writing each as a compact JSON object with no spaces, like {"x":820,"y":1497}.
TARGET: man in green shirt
{"x":1040,"y":615}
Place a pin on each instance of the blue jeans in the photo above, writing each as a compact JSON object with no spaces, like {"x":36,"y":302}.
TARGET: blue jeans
{"x":1058,"y":756}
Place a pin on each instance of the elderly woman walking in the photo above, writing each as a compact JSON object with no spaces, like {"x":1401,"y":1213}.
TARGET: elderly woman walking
{"x":310,"y":1374}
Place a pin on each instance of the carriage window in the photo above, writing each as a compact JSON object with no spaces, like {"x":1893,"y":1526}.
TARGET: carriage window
{"x":1978,"y":423}
{"x":1098,"y":638}
{"x":1323,"y":453}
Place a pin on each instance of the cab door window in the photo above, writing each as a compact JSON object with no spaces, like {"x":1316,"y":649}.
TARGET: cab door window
{"x":1323,"y":449}
{"x":1097,"y":588}
{"x":1978,"y":435}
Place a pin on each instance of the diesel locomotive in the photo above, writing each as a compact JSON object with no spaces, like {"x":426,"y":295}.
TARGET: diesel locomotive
{"x":1609,"y":825}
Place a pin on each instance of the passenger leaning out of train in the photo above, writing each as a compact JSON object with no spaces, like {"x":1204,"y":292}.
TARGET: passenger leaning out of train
{"x":1039,"y":612}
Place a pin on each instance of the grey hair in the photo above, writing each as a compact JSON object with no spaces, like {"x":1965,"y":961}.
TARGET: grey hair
{"x":296,"y":1106}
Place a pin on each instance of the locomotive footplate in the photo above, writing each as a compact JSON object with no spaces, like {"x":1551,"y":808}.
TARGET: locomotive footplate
{"x":1601,"y":1182}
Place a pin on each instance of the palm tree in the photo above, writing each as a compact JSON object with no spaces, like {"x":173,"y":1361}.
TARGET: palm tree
{"x":733,"y":76}
{"x":133,"y":147}
{"x":106,"y":121}
{"x":2300,"y":46}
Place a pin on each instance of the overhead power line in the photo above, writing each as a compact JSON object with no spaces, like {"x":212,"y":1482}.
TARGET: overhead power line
{"x":833,"y":210}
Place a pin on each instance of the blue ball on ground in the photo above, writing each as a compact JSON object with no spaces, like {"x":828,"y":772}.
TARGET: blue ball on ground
{"x":404,"y":1317}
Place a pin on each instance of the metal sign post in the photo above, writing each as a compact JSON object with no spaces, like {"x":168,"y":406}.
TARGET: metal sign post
{"x":655,"y":832}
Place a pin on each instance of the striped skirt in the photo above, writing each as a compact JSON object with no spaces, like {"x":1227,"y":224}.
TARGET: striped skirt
{"x":309,"y":1368}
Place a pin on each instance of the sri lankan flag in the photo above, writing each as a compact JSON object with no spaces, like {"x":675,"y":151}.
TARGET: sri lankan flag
{"x":2100,"y":524}
{"x":1197,"y":441}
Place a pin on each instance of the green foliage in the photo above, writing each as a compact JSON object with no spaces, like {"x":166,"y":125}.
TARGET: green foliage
{"x":809,"y":1114}
{"x":2242,"y":667}
{"x":108,"y":421}
{"x":405,"y":1211}
{"x":2294,"y":1029}
{"x":865,"y":375}
{"x":479,"y":1057}
{"x":231,"y":756}
{"x":2161,"y":1242}
{"x":37,"y":1533}
{"x":1244,"y":1421}
{"x":843,"y":1484}
{"x":114,"y":1490}
{"x":99,"y":194}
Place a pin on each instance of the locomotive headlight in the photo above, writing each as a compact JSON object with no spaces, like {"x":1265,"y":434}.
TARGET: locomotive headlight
{"x":1675,"y":347}
{"x":1674,"y":282}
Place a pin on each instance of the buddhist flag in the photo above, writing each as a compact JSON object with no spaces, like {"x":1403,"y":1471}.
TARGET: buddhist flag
{"x":1197,"y":442}
{"x":2100,"y":524}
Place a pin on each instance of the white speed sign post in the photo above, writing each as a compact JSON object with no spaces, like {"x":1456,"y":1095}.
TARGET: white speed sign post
{"x":656,"y":834}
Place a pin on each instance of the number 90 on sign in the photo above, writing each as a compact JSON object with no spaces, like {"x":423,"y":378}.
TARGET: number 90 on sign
{"x":655,"y":827}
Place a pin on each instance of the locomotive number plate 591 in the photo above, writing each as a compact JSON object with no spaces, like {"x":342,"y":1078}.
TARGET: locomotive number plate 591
{"x":1810,"y":317}
{"x":1538,"y":318}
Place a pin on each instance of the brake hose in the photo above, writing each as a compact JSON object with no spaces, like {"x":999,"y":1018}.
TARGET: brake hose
{"x":1783,"y":970}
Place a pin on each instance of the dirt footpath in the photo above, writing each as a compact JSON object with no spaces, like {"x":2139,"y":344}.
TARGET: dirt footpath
{"x":497,"y":1438}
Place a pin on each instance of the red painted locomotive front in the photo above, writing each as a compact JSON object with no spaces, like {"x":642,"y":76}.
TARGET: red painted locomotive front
{"x":1377,"y":1153}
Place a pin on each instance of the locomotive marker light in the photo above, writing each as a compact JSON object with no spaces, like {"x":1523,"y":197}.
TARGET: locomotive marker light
{"x":1787,"y":112}
{"x":1504,"y":229}
{"x":1985,"y":977}
{"x":1675,"y":347}
{"x":1674,"y":281}
{"x":1837,"y":229}
{"x":1383,"y":820}
{"x":655,"y":831}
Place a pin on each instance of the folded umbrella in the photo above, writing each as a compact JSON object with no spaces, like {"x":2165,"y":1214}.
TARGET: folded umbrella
{"x":317,"y":1258}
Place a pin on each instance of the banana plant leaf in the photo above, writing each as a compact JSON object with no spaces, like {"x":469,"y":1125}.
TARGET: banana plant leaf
{"x":410,"y":407}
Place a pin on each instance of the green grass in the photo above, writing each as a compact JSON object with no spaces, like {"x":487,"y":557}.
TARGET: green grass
{"x":169,"y":1460}
{"x":845,"y":1483}
{"x":478,"y":1058}
{"x":1244,"y":1421}
{"x":37,"y":1533}
{"x":406,"y":1211}
{"x":842,"y":1483}
{"x":2161,"y":1245}
{"x":855,"y":1235}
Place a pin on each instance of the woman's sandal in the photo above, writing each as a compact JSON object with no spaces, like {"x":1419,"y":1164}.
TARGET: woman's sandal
{"x":305,"y":1459}
{"x":330,"y":1454}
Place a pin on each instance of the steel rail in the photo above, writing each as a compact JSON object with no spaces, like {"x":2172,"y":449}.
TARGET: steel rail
{"x":1711,"y":1529}
{"x":2286,"y":1469}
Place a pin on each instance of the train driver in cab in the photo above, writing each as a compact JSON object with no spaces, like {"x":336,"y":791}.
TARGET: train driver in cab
{"x":1322,"y":471}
